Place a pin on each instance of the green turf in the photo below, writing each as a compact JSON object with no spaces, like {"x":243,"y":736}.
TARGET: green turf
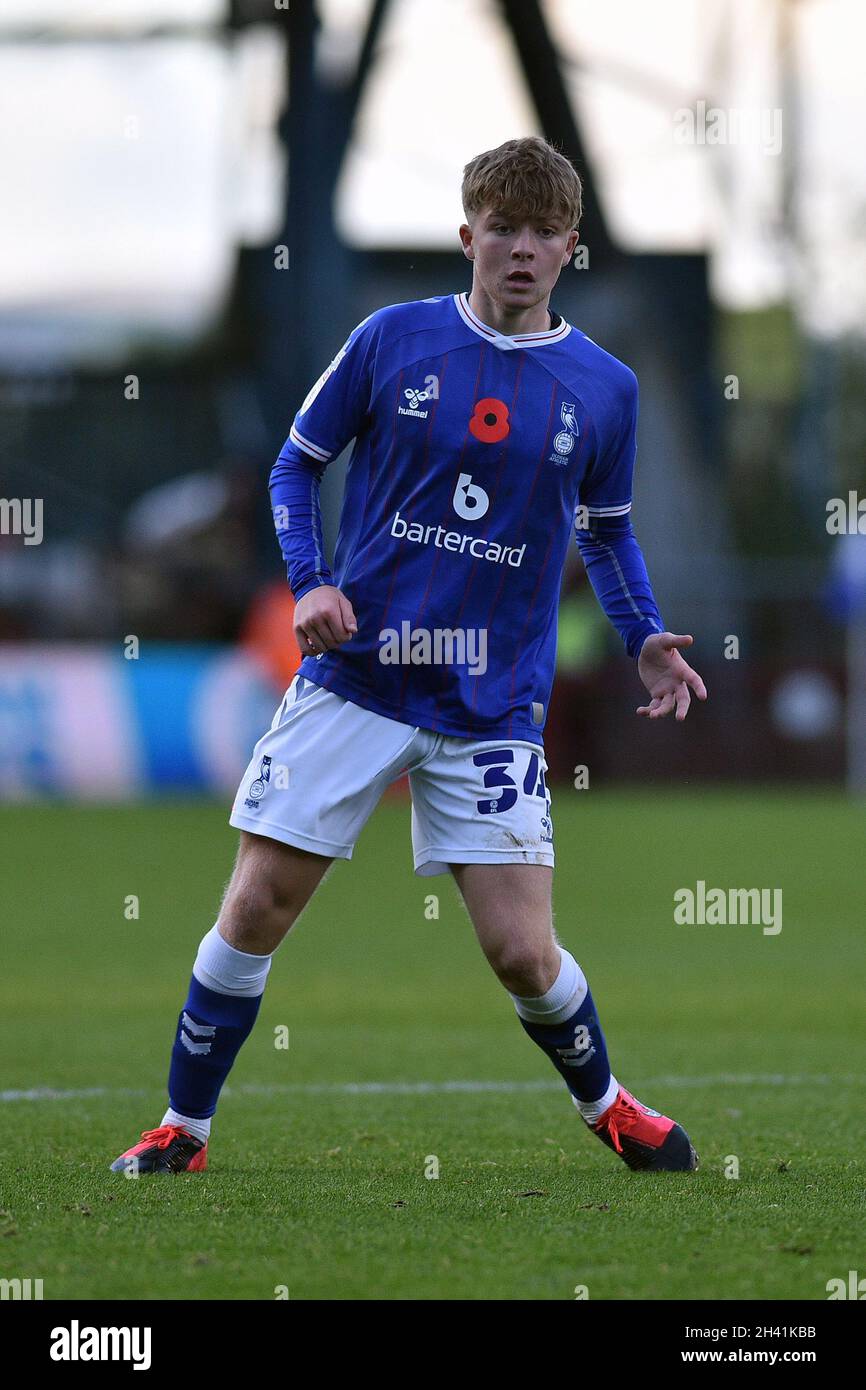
{"x":323,"y":1191}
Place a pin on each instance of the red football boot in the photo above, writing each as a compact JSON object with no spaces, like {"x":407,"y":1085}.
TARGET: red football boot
{"x":643,"y":1138}
{"x":167,"y":1149}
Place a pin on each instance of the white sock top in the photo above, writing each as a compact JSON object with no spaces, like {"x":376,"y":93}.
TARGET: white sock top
{"x":221,"y":967}
{"x":564,"y":997}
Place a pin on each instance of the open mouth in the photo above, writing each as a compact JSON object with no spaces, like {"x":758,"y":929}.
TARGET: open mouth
{"x":521,"y":277}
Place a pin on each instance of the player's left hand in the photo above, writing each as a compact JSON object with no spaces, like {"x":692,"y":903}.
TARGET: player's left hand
{"x":667,"y":677}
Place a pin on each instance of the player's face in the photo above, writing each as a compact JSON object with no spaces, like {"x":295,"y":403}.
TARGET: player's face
{"x":517,"y":261}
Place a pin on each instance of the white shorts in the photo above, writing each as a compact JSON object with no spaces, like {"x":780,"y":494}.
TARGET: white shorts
{"x":317,"y":775}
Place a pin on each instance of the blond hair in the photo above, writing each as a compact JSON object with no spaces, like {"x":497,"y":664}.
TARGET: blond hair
{"x":525,"y":177}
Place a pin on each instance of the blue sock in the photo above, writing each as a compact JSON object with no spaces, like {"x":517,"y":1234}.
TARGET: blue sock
{"x":564,"y":1023}
{"x":225,"y":993}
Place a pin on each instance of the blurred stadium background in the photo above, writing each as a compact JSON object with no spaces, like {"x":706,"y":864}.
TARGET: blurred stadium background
{"x":202,"y":197}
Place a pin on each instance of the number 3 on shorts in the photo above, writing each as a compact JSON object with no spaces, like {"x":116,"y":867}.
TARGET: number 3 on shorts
{"x":496,"y":761}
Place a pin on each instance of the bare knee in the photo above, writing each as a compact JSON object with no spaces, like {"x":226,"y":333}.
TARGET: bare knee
{"x":526,"y":968}
{"x":510,"y":908}
{"x":269,"y":889}
{"x":255,"y":913}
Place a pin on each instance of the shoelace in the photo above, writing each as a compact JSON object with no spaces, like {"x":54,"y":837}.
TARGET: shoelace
{"x":165,"y":1134}
{"x":621,"y":1103}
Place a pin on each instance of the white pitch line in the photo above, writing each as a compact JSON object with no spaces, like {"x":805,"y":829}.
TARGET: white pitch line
{"x":430,"y":1088}
{"x":49,"y":1093}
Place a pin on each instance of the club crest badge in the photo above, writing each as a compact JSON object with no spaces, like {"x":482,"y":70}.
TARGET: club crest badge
{"x":258,"y":786}
{"x":565,"y":440}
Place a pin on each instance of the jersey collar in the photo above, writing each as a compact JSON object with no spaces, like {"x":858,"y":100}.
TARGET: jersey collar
{"x":501,"y":340}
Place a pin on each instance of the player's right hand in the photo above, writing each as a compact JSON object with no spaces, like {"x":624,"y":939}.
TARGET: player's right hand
{"x":323,"y":619}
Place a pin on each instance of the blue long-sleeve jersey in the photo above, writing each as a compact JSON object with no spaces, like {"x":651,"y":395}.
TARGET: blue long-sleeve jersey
{"x":476,"y":457}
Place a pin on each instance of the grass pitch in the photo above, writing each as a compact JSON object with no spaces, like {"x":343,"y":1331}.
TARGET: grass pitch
{"x":318,"y":1185}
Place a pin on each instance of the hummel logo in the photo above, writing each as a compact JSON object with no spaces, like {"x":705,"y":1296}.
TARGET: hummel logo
{"x":582,"y":1049}
{"x":189,"y":1030}
{"x":415,"y":398}
{"x":574,"y":1056}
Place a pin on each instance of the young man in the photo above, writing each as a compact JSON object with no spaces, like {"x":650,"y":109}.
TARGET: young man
{"x":486,"y":430}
